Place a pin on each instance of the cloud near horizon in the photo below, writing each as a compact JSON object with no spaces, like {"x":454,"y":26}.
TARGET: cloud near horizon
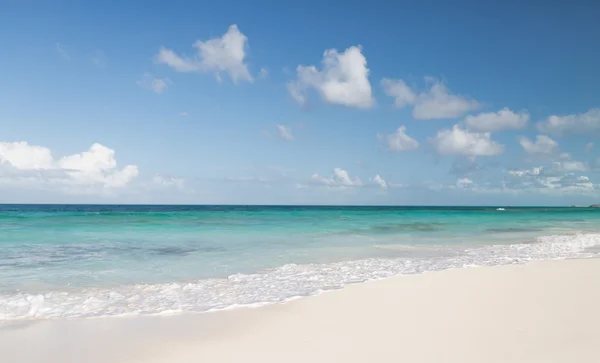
{"x":23,"y":165}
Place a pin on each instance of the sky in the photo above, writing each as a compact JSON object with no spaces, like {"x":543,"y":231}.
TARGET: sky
{"x":272,"y":102}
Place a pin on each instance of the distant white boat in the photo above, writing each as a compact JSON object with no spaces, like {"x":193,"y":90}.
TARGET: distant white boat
{"x":500,"y":209}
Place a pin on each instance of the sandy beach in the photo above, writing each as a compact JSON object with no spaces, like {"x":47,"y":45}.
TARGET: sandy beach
{"x":538,"y":312}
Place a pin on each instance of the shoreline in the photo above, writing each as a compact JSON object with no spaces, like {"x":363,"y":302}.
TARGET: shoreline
{"x":277,"y":285}
{"x":540,"y":311}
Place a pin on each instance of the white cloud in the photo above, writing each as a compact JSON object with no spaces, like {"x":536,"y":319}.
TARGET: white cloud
{"x":224,"y":54}
{"x":505,"y":119}
{"x":98,"y":58}
{"x":184,"y":114}
{"x":284,"y":132}
{"x":439,"y":103}
{"x":33,"y":165}
{"x":296,"y":93}
{"x":23,"y":156}
{"x":62,"y":52}
{"x":379,"y":180}
{"x":457,"y":141}
{"x":573,"y":184}
{"x":156,"y":85}
{"x":556,"y":168}
{"x":523,"y":172}
{"x":168,"y":182}
{"x":464,"y":183}
{"x":543,"y":145}
{"x":588,"y":122}
{"x":384,"y":184}
{"x":344,"y":79}
{"x":544,"y":180}
{"x":399,"y":140}
{"x":577,"y":184}
{"x":436,"y":103}
{"x":340,"y":178}
{"x":570,"y":166}
{"x":97,"y":166}
{"x":588,"y":147}
{"x":400,"y":91}
{"x":559,"y":178}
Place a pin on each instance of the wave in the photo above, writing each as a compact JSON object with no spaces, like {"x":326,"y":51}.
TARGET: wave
{"x":274,"y":286}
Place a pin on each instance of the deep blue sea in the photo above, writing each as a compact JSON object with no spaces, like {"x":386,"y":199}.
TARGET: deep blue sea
{"x":75,"y":261}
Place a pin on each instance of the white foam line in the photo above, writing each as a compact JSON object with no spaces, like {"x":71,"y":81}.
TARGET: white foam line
{"x":279,"y":285}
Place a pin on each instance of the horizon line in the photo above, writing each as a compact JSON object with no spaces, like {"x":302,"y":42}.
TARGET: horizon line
{"x":306,"y":205}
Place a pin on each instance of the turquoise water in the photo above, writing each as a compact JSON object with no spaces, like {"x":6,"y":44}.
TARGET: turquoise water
{"x":59,"y":261}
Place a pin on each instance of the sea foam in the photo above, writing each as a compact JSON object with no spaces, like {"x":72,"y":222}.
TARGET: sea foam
{"x":277,"y":285}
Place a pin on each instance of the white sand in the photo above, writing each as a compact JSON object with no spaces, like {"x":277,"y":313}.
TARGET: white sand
{"x":541,"y":312}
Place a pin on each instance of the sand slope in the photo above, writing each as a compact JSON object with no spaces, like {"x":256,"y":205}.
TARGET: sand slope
{"x":540,"y":312}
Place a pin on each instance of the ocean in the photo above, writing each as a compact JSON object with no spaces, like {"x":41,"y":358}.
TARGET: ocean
{"x":82,"y":261}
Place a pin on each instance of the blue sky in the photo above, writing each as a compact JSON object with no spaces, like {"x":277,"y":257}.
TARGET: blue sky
{"x":300,"y":102}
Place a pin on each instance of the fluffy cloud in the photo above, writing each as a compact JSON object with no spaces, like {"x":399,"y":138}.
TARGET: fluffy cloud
{"x":343,"y":80}
{"x":379,"y":180}
{"x":399,"y":140}
{"x":398,"y":89}
{"x":156,"y":85}
{"x":588,"y":147}
{"x":505,"y":119}
{"x":588,"y":122}
{"x":457,"y":141}
{"x":555,"y":169}
{"x":436,"y":103}
{"x":22,"y":164}
{"x":524,"y":172}
{"x":576,"y":184}
{"x":384,"y":184}
{"x":543,"y":145}
{"x":439,"y":103}
{"x":560,"y":177}
{"x":23,"y":156}
{"x":556,"y":178}
{"x":340,"y":178}
{"x":284,"y":132}
{"x":224,"y":54}
{"x":551,"y":180}
{"x":97,"y":166}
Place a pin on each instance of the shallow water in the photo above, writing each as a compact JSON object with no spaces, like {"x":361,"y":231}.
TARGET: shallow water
{"x":60,"y":261}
